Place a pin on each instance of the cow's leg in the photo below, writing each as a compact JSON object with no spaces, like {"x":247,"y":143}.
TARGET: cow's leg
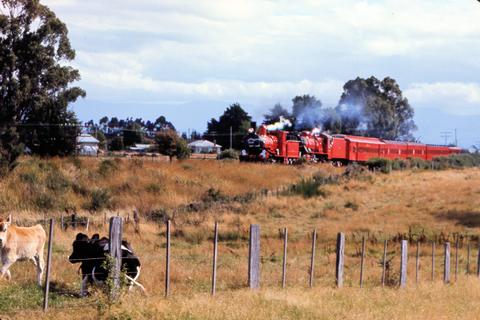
{"x":4,"y":270}
{"x":39,"y":263}
{"x":83,"y":285}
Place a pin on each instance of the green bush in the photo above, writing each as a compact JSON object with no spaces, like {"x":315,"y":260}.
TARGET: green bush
{"x":228,"y":154}
{"x":307,"y":188}
{"x":100,"y":199}
{"x":380,"y":164}
{"x":417,"y":163}
{"x":30,"y":178}
{"x":400,"y":164}
{"x":45,"y":201}
{"x":57,"y":182}
{"x":153,"y":188}
{"x":107,"y":167}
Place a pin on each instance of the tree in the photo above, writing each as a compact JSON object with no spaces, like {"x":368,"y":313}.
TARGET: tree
{"x":307,"y":112}
{"x":132,"y":134}
{"x":235,"y":118}
{"x":375,"y":108}
{"x":170,"y":144}
{"x":275,"y":113}
{"x":34,"y":81}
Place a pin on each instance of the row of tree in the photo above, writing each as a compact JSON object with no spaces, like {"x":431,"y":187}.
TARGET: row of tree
{"x":367,"y":107}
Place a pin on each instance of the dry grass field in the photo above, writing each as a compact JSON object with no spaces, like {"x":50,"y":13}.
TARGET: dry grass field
{"x":411,"y":204}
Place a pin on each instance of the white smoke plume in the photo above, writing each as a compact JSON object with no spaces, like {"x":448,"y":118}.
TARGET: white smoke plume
{"x":282,"y":124}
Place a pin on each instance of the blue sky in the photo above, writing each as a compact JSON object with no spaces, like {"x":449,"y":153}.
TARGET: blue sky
{"x":188,"y":60}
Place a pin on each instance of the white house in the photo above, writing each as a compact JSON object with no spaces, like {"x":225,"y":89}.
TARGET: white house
{"x":87,"y":145}
{"x":204,"y":146}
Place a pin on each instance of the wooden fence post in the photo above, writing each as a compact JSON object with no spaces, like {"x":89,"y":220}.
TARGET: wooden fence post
{"x":446,"y":263}
{"x":417,"y":263}
{"x":61,"y":222}
{"x":384,"y":262}
{"x":167,"y":261}
{"x":468,"y":258}
{"x":312,"y":258}
{"x":284,"y":267}
{"x":403,"y":263}
{"x":88,"y":224}
{"x":214,"y":264}
{"x":340,"y":259}
{"x":254,"y":257}
{"x":49,"y":267}
{"x":456,"y":260}
{"x":433,"y":261}
{"x":478,"y":262}
{"x":362,"y":262}
{"x":115,"y":246}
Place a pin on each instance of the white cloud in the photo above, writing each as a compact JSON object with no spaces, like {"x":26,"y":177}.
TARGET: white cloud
{"x":452,"y":97}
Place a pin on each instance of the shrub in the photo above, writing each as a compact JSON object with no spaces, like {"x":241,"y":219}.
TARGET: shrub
{"x":400,"y":164}
{"x":107,"y":167}
{"x":44,"y":201}
{"x":30,"y":178}
{"x":57,"y":182}
{"x":307,"y":188}
{"x":351,"y":205}
{"x":100,"y":199}
{"x":417,"y":163}
{"x":380,"y":164}
{"x":228,"y":154}
{"x":79,"y":189}
{"x":154,"y":188}
{"x":214,"y":195}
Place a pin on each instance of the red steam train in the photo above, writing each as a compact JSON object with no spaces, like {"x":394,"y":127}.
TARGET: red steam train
{"x":288,"y":147}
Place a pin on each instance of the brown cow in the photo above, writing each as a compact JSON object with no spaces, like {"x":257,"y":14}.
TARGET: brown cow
{"x":20,"y":243}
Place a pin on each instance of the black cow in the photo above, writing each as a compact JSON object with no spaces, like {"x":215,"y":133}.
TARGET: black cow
{"x":92,"y":253}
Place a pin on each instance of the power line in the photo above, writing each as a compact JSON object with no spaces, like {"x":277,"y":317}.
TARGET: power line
{"x":446,"y":135}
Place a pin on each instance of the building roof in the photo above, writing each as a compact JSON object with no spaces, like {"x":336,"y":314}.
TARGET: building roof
{"x":203,"y":144}
{"x":86,"y":138}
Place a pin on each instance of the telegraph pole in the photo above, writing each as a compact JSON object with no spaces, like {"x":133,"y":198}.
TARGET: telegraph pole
{"x":446,"y":135}
{"x":231,"y":137}
{"x":456,"y":141}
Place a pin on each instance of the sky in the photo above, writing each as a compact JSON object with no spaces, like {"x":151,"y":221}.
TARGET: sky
{"x":189,"y":60}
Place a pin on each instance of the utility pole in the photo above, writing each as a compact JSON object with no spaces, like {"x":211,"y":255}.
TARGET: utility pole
{"x":446,"y":135}
{"x":456,"y":141}
{"x":231,"y":137}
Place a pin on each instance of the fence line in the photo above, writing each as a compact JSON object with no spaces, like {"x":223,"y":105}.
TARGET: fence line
{"x":254,"y":258}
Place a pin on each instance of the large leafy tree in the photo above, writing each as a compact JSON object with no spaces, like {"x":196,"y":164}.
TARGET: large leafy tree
{"x":170,"y":144}
{"x":275,"y":113}
{"x":307,"y":112}
{"x":374,"y":108}
{"x":35,"y":80}
{"x":235,"y":118}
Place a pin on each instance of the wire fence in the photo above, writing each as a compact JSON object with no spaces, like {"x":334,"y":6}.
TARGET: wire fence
{"x":412,"y":261}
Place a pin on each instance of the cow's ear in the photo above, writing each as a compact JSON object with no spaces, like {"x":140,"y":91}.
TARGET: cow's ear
{"x":9,"y":219}
{"x":81,"y":236}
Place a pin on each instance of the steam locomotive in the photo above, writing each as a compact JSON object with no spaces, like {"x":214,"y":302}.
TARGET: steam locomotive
{"x":288,"y":147}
